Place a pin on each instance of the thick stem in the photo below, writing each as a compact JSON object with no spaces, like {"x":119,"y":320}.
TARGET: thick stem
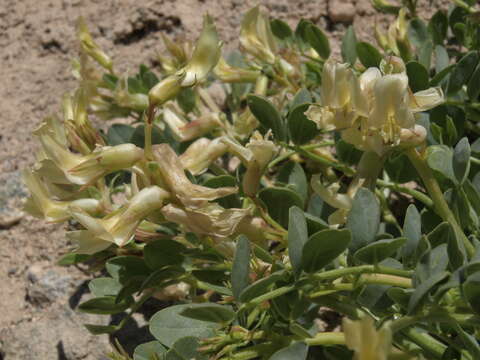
{"x":362,"y":269}
{"x":326,"y":338}
{"x":440,"y":205}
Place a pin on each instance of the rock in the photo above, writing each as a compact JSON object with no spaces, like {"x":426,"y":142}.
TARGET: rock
{"x":46,"y":285}
{"x":341,"y":11}
{"x":12,"y":191}
{"x":58,"y":335}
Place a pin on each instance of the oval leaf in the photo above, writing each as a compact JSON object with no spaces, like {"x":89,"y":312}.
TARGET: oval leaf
{"x":368,"y":55}
{"x":209,"y":312}
{"x":297,"y":237}
{"x":379,"y":250}
{"x":241,"y":266}
{"x":324,"y":247}
{"x":267,"y":115}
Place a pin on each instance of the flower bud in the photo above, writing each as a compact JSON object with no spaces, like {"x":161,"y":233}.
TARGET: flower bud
{"x":166,"y":89}
{"x":184,"y":130}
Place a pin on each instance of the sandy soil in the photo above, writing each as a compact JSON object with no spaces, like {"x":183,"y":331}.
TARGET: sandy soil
{"x":37,"y":42}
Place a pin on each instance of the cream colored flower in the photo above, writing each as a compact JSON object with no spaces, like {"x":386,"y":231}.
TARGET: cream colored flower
{"x":231,"y":74}
{"x":256,"y":36}
{"x":255,"y":156}
{"x":367,"y":342}
{"x":330,"y":194}
{"x":119,"y":226}
{"x":41,"y":205}
{"x":91,"y":48}
{"x":205,"y":56}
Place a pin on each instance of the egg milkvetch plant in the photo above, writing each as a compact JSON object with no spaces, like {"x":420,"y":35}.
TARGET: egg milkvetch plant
{"x":317,"y":184}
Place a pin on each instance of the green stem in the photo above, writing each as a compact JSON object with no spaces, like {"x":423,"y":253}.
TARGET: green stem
{"x":270,"y":295}
{"x":148,"y":132}
{"x":426,"y":342}
{"x":362,"y":269}
{"x":403,"y":189}
{"x":343,"y":168}
{"x":134,"y":308}
{"x":383,"y":279}
{"x":326,"y":338}
{"x":440,"y":205}
{"x":293,"y":152}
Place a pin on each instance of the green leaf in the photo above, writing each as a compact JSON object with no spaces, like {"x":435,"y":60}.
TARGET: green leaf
{"x":186,"y":98}
{"x":185,"y":348}
{"x":241,"y":266}
{"x":209,"y":312}
{"x":438,"y":27}
{"x":292,"y":174}
{"x":462,"y":72}
{"x":104,"y":286}
{"x":470,"y":342}
{"x":473,"y":87}
{"x":379,"y":250}
{"x":105,"y":305}
{"x":418,"y":78}
{"x":297,"y":237}
{"x":349,"y":46}
{"x":324,"y":247}
{"x":441,"y":58}
{"x":368,"y":55}
{"x":318,"y":41}
{"x":294,"y":351}
{"x":273,"y":196}
{"x":230,"y":201}
{"x":363,"y":219}
{"x":122,"y":268}
{"x":417,"y":32}
{"x":101,"y":329}
{"x":119,"y":134}
{"x":439,"y":77}
{"x":423,"y":289}
{"x":261,"y":286}
{"x":471,"y":291}
{"x":160,"y":253}
{"x":267,"y":115}
{"x":314,"y":223}
{"x":138,"y":136}
{"x":301,"y":128}
{"x":168,"y":326}
{"x":461,"y":160}
{"x":159,"y":277}
{"x":281,"y":29}
{"x":439,"y":158}
{"x":301,"y":97}
{"x":72,"y":259}
{"x":151,"y":350}
{"x":412,"y":230}
{"x":425,"y":54}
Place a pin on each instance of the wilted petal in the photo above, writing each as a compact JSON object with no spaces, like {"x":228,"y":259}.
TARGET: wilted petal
{"x":212,"y":220}
{"x":200,"y":154}
{"x":173,"y":174}
{"x":426,"y":99}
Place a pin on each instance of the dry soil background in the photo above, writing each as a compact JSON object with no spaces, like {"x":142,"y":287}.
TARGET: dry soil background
{"x":37,"y":42}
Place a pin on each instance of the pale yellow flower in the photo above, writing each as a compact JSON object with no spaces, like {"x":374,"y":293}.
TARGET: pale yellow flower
{"x":256,"y":36}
